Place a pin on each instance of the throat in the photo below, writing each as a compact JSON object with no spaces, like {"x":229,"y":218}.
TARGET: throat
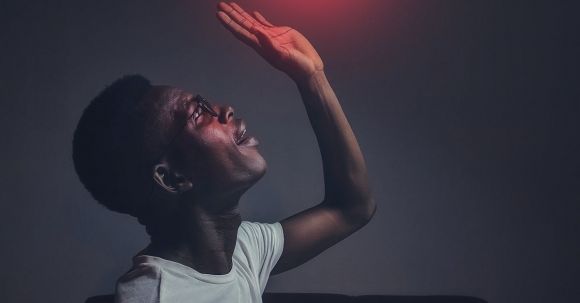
{"x":206,"y":241}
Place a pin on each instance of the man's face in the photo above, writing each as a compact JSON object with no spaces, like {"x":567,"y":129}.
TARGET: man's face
{"x":214,"y":152}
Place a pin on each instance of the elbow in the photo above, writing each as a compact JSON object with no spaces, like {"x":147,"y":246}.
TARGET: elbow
{"x":358,"y":209}
{"x":371,"y":210}
{"x":363,"y":214}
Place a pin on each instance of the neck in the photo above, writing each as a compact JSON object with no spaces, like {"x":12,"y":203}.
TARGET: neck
{"x":201,"y":238}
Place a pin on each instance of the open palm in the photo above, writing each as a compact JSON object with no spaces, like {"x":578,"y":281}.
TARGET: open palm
{"x":282,"y":46}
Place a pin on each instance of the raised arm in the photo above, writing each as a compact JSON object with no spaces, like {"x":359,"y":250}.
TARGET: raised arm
{"x":348,"y":204}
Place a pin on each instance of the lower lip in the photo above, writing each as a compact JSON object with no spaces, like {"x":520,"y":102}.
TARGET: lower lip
{"x":250,"y":141}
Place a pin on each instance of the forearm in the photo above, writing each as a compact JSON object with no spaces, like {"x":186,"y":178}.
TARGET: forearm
{"x":345,"y":174}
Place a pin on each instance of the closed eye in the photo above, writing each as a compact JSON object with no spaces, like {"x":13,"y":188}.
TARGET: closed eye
{"x":197,"y":113}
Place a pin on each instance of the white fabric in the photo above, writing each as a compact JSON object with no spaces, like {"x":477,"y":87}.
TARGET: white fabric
{"x":156,"y":280}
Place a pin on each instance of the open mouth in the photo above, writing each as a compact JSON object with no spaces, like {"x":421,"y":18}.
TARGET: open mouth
{"x":240,"y":133}
{"x":242,"y":138}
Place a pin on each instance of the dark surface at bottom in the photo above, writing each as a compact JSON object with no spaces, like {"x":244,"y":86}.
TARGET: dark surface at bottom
{"x":336,"y":298}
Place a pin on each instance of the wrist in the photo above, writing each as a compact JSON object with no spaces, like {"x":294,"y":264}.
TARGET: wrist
{"x":313,"y":80}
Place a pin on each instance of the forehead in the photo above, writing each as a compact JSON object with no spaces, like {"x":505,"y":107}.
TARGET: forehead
{"x":167,"y":107}
{"x":172,"y":97}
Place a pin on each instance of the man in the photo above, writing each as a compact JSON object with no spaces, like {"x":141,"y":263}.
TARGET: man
{"x":180,"y":165}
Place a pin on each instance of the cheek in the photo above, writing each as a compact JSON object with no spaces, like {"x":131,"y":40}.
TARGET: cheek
{"x":206,"y":141}
{"x":213,"y":152}
{"x":217,"y":149}
{"x":214,"y":137}
{"x":205,"y":150}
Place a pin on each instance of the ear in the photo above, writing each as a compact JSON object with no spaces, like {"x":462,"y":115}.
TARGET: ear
{"x":170,"y":180}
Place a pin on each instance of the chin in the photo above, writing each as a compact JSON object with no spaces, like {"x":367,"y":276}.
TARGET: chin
{"x":249,"y":169}
{"x":257,"y":170}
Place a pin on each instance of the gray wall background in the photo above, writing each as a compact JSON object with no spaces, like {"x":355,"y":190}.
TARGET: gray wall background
{"x":467,"y":112}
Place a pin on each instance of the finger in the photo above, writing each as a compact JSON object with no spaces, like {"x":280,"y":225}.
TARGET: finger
{"x":238,"y":31}
{"x":240,"y":10}
{"x":236,"y":17}
{"x":262,"y":20}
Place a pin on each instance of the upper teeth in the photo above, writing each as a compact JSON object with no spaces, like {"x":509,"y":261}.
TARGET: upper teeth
{"x":242,"y":135}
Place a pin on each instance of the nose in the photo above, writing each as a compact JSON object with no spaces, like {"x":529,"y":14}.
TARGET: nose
{"x":226,"y":113}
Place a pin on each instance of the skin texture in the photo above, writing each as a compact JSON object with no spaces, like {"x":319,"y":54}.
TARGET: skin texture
{"x":206,"y":193}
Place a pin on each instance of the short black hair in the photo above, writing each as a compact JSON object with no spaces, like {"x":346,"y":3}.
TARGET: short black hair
{"x":113,"y":147}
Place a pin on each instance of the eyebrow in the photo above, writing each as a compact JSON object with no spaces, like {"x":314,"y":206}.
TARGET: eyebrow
{"x":184,"y":101}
